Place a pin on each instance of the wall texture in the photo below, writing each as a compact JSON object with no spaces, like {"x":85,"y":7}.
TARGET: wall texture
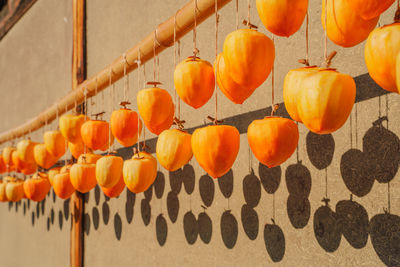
{"x":187,"y":218}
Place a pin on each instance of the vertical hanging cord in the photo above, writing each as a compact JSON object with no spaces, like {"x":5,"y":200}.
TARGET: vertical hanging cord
{"x":65,"y":158}
{"x":248,"y":12}
{"x":126,"y":80}
{"x":326,"y":34}
{"x":237,"y":13}
{"x":109,"y":128}
{"x":179,"y":99}
{"x":175,"y":60}
{"x":273,"y":83}
{"x":307,"y":53}
{"x":144,"y":128}
{"x":195,"y":51}
{"x":154,"y":60}
{"x":86,"y":113}
{"x":216,"y":56}
{"x":138,"y":84}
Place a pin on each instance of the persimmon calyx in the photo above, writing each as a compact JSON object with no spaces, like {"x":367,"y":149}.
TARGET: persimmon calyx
{"x":214,"y":120}
{"x":248,"y":24}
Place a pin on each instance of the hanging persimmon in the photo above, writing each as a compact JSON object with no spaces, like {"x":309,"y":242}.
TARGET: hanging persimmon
{"x":369,"y":9}
{"x":3,"y":166}
{"x":53,"y":172}
{"x":291,"y":87}
{"x":77,"y":148}
{"x":109,"y":170}
{"x":116,"y":190}
{"x":248,"y":56}
{"x":17,"y":162}
{"x":233,"y":91}
{"x":194,"y":81}
{"x":83,"y":176}
{"x":381,"y":50}
{"x":23,"y":167}
{"x":66,"y":168}
{"x":124,"y":126}
{"x":3,"y":184}
{"x":37,"y":187}
{"x":29,"y":169}
{"x":15,"y":190}
{"x":62,"y":185}
{"x":174,"y":149}
{"x":25,"y":150}
{"x":42,"y":157}
{"x":282,"y":17}
{"x":273,"y":140}
{"x":156,"y":108}
{"x":55,"y":143}
{"x":7,"y":157}
{"x":325,"y":100}
{"x":345,"y":27}
{"x":70,"y":126}
{"x":95,"y":134}
{"x":215,"y":148}
{"x":398,"y":72}
{"x":139,"y":172}
{"x":89,"y":158}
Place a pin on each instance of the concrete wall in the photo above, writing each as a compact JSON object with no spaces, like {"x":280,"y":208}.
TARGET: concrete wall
{"x":187,"y":218}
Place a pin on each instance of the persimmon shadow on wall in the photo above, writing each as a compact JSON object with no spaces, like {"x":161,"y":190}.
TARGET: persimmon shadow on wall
{"x":349,"y":219}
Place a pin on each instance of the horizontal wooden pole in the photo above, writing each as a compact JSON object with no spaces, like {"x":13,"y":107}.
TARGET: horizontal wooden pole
{"x":162,"y":38}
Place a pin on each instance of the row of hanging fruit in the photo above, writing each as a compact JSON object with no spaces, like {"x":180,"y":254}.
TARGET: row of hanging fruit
{"x":319,"y":97}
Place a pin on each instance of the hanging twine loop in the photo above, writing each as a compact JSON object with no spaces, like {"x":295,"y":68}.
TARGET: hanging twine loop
{"x":177,"y":117}
{"x":328,"y":58}
{"x":306,"y":61}
{"x":216,"y":56}
{"x":126,"y":78}
{"x":247,"y":22}
{"x":195,"y":50}
{"x":214,"y":120}
{"x":179,"y":123}
{"x":237,"y":13}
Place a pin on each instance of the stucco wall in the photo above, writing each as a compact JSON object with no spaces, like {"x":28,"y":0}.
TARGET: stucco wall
{"x":131,"y":230}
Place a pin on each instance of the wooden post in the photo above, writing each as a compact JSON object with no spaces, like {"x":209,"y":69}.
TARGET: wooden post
{"x":78,"y":76}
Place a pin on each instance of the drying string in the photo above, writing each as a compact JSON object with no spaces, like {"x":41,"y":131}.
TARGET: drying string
{"x":195,"y":50}
{"x":126,"y":80}
{"x":109,"y":128}
{"x":248,"y":12}
{"x":237,"y":13}
{"x":326,"y":34}
{"x":176,"y":99}
{"x":216,"y":57}
{"x":273,"y":107}
{"x":179,"y":100}
{"x":154,"y":61}
{"x":144,"y":128}
{"x":138,"y":85}
{"x":307,"y":53}
{"x":86,"y":113}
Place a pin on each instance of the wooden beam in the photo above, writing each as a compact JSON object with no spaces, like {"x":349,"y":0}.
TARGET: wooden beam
{"x":78,"y":76}
{"x":11,"y":13}
{"x":162,"y":36}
